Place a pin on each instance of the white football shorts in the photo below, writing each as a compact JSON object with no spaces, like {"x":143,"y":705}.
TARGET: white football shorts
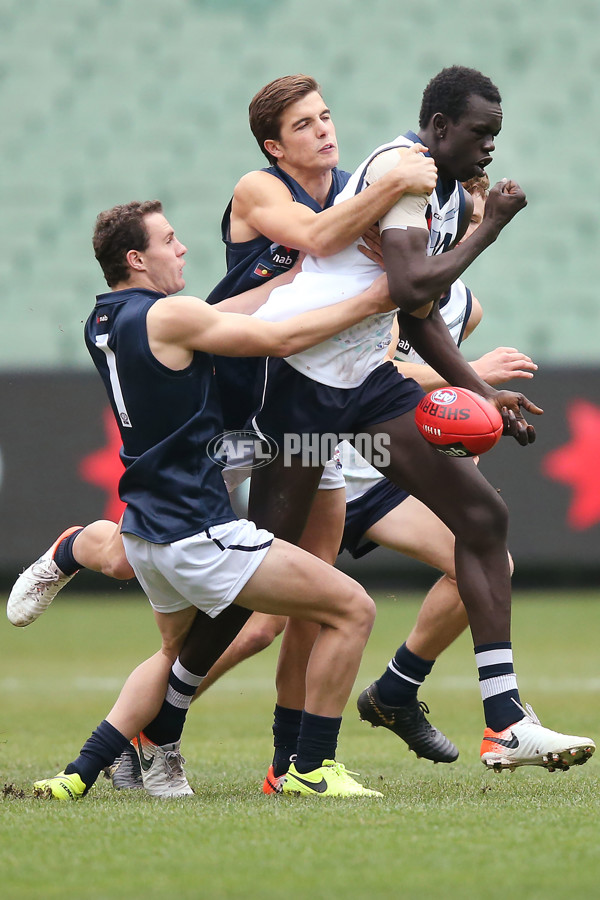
{"x":207,"y":570}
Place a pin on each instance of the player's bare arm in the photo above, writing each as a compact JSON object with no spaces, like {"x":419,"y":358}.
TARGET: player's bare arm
{"x":177,"y":326}
{"x":248,"y":302}
{"x":415,"y":278}
{"x":263,"y":205}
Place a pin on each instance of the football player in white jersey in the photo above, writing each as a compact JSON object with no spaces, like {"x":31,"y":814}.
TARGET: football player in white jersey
{"x":380,"y":514}
{"x":341,"y":387}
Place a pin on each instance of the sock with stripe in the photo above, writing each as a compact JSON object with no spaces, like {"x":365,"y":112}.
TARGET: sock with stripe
{"x":100,"y":750}
{"x":403,"y":677}
{"x":317,"y":741}
{"x":167,"y":727}
{"x":498,"y":685}
{"x":63,"y":555}
{"x":286,"y":728}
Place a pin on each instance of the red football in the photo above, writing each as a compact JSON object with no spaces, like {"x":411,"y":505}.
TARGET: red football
{"x":458,"y":422}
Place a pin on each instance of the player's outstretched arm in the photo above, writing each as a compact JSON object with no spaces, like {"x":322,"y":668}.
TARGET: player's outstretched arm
{"x":248,"y":302}
{"x":264,"y":204}
{"x":496,"y":367}
{"x":177,"y":326}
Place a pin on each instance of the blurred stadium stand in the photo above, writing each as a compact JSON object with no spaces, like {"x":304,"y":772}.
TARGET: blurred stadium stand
{"x":107,"y":100}
{"x":110,"y":100}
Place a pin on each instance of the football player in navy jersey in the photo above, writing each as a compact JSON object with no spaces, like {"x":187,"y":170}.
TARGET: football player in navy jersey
{"x":270,"y":209}
{"x":196,"y":562}
{"x":275,"y":209}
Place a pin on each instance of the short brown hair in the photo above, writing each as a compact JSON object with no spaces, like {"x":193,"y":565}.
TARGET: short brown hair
{"x":119,"y":230}
{"x":267,"y":107}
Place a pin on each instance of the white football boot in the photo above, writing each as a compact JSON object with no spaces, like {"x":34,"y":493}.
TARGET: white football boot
{"x":528,"y":743}
{"x":36,"y":587}
{"x":162,"y":768}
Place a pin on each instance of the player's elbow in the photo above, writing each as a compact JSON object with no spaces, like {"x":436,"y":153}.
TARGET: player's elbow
{"x":285,"y":347}
{"x":325,"y":247}
{"x":409,"y":298}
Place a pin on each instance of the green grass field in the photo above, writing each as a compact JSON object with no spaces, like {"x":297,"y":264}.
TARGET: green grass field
{"x":440,"y":832}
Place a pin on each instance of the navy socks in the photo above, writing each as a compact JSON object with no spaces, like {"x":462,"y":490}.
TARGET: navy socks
{"x":403,"y":677}
{"x":100,"y":750}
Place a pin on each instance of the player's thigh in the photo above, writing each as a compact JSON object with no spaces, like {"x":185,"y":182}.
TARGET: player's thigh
{"x":292,"y":582}
{"x":174,"y":627}
{"x":413,"y":529}
{"x":281,"y":495}
{"x":116,"y":560}
{"x":323,"y":531}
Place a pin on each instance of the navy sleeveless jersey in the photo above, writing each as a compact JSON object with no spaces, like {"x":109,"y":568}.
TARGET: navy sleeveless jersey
{"x":249,"y":264}
{"x":166,"y":418}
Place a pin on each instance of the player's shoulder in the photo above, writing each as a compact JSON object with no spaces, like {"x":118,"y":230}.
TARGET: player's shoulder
{"x":175,"y":306}
{"x":386,"y":157}
{"x":259,"y":183}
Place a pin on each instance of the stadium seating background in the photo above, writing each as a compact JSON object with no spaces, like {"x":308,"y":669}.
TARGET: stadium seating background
{"x":104,"y":101}
{"x":110,"y":100}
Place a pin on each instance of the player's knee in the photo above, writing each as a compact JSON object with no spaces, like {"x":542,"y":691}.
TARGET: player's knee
{"x":171,"y":647}
{"x":262,"y":636}
{"x":486,"y":522}
{"x":361,"y":611}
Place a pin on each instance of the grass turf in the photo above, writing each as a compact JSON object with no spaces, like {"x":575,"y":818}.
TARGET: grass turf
{"x":440,"y":831}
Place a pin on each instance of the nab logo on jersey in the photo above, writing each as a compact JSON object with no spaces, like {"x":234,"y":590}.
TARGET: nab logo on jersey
{"x":403,"y":346}
{"x":101,"y":319}
{"x":284,"y":257}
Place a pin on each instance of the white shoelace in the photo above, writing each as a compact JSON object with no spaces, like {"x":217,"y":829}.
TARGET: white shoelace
{"x":43,"y":572}
{"x":174,"y":762}
{"x":527,"y":710}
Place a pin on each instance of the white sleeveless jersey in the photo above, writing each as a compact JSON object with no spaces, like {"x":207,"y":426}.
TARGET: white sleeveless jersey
{"x":346,"y":360}
{"x":360,"y":476}
{"x":455,"y":309}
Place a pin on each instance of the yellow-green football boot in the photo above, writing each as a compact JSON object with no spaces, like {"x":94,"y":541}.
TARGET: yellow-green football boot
{"x":63,"y":787}
{"x":330,"y":780}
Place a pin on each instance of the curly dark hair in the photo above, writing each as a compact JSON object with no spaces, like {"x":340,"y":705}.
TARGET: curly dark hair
{"x":449,"y":91}
{"x":119,"y":230}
